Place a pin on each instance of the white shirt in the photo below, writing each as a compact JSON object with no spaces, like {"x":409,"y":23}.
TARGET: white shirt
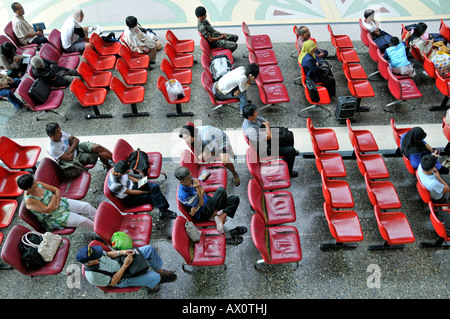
{"x":21,"y":29}
{"x":233,"y":79}
{"x":57,"y":149}
{"x":68,"y":36}
{"x":369,"y":26}
{"x":431,"y":183}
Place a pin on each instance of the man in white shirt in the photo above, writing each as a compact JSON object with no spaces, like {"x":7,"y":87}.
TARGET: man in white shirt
{"x":436,"y":184}
{"x":235,"y":83}
{"x":24,"y":32}
{"x":73,"y":36}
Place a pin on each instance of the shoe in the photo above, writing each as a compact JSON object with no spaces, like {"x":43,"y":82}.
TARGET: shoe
{"x":237,"y":181}
{"x":363,"y":109}
{"x":167,"y":275}
{"x":234,"y":240}
{"x":293,"y":174}
{"x":239,"y":230}
{"x":167,"y":214}
{"x":153,"y":290}
{"x":436,"y":108}
{"x":152,"y":61}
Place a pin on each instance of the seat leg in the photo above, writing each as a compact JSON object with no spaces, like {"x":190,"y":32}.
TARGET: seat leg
{"x":385,"y":246}
{"x":371,"y":74}
{"x":134,"y":112}
{"x":314,"y":107}
{"x":438,"y":244}
{"x":389,"y":109}
{"x":97,"y":114}
{"x":38,"y":117}
{"x":338,"y":245}
{"x":179,"y":112}
{"x":221,"y":105}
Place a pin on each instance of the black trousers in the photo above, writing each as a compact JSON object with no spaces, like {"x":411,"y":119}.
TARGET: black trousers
{"x":220,"y":201}
{"x":155,"y":198}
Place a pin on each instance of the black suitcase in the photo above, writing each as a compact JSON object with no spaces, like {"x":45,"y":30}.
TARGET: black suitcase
{"x":345,"y":108}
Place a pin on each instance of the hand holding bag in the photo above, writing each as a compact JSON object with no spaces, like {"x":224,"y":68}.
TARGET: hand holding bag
{"x":138,"y":267}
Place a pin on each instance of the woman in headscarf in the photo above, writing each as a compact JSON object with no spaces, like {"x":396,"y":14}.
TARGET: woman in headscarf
{"x":311,"y":66}
{"x":414,"y":147}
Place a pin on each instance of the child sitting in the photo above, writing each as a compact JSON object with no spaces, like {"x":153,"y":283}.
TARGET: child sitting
{"x":395,"y":54}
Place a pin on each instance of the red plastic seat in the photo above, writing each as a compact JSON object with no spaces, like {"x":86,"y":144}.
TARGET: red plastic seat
{"x":209,"y":251}
{"x":206,"y":62}
{"x":363,"y":33}
{"x":181,"y":46}
{"x":398,"y":132}
{"x":109,"y":289}
{"x":99,"y":62}
{"x":12,"y":255}
{"x":212,"y":52}
{"x":187,"y":97}
{"x":184,"y":76}
{"x":382,"y":194}
{"x":94,"y":78}
{"x":331,"y":163}
{"x":428,"y":66}
{"x":324,"y":137}
{"x":207,"y":83}
{"x":48,"y":52}
{"x":444,"y":30}
{"x":275,"y":207}
{"x":53,"y":102}
{"x":16,"y":156}
{"x":354,"y":71}
{"x":89,"y":97}
{"x":324,"y":97}
{"x":108,"y":220}
{"x":267,"y":73}
{"x":7,"y":210}
{"x":344,"y":226}
{"x":371,"y":164}
{"x":439,"y":227}
{"x":120,"y":204}
{"x":277,"y":244}
{"x":340,"y":41}
{"x":50,"y":173}
{"x":362,"y":138}
{"x":28,"y":217}
{"x":336,"y":192}
{"x":8,"y":184}
{"x":347,"y":55}
{"x":9,"y":31}
{"x":402,"y":89}
{"x":272,"y":94}
{"x":394,"y":228}
{"x":217,"y":178}
{"x":270,"y":175}
{"x":131,"y":95}
{"x":178,"y":60}
{"x":443,"y":85}
{"x":102,"y":47}
{"x":415,"y":52}
{"x":131,"y":76}
{"x":408,"y":165}
{"x":122,"y":150}
{"x":373,"y":49}
{"x":260,"y":41}
{"x":134,"y":60}
{"x":263,"y":56}
{"x":446,"y":129}
{"x":54,"y":38}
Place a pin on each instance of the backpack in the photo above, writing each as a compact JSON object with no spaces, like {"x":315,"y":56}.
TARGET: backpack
{"x":220,"y":65}
{"x":138,"y":161}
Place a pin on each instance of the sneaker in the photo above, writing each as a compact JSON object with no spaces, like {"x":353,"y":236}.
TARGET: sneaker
{"x":167,"y":214}
{"x":293,"y":174}
{"x":153,"y":290}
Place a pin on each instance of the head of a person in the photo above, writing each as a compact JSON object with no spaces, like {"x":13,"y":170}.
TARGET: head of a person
{"x":252,"y":70}
{"x":188,"y":133}
{"x":417,"y":134}
{"x":37,"y":62}
{"x":120,"y":168}
{"x":26,"y":182}
{"x":78,"y":15}
{"x":200,"y":12}
{"x":89,"y":255}
{"x":420,"y":29}
{"x":304,"y":32}
{"x":428,"y":162}
{"x":53,"y":131}
{"x":394,"y":41}
{"x":8,"y":50}
{"x":183,"y":174}
{"x":17,"y":9}
{"x":309,"y":46}
{"x":250,"y":112}
{"x":131,"y":22}
{"x":369,"y":14}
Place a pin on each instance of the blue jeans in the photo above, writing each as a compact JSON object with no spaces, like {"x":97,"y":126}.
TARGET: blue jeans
{"x":10,"y":94}
{"x":151,"y":279}
{"x":242,"y":97}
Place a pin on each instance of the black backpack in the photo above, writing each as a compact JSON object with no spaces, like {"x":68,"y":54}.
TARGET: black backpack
{"x":138,"y":161}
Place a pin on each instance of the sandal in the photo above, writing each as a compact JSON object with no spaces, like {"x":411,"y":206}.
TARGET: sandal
{"x":240,"y":230}
{"x":237,"y":181}
{"x":234,"y":240}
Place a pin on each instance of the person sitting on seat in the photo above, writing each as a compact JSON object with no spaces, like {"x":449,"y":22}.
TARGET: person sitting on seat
{"x":380,"y":37}
{"x":137,"y":40}
{"x":215,"y":38}
{"x":102,"y":269}
{"x":12,"y":62}
{"x":23,"y":30}
{"x":125,"y":187}
{"x":421,"y":39}
{"x":235,"y":83}
{"x":433,"y":181}
{"x":53,"y":74}
{"x":7,"y":85}
{"x":53,"y":211}
{"x":262,"y":141}
{"x":205,"y":207}
{"x":304,"y":35}
{"x":207,"y":142}
{"x":65,"y":148}
{"x":396,"y":55}
{"x":74,"y":37}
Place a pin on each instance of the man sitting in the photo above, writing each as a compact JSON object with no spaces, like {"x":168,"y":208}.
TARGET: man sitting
{"x":23,"y":30}
{"x":304,"y":35}
{"x":126,"y":188}
{"x":73,"y":36}
{"x":436,"y":183}
{"x":65,"y":148}
{"x":53,"y":74}
{"x":398,"y":60}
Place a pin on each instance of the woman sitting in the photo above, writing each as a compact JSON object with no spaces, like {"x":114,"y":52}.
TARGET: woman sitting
{"x":11,"y":61}
{"x":137,"y":40}
{"x":53,"y":211}
{"x":414,"y":147}
{"x":421,"y":39}
{"x":312,"y":69}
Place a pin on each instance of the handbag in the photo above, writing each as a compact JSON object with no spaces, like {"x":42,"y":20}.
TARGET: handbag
{"x":47,"y":247}
{"x":30,"y":254}
{"x":39,"y":91}
{"x":72,"y":168}
{"x":192,"y":231}
{"x":138,"y":267}
{"x":312,"y":89}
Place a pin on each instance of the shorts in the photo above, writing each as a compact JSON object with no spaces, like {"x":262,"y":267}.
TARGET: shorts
{"x":85,"y":154}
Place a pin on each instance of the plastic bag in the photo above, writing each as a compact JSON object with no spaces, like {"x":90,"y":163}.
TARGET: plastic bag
{"x":121,"y":240}
{"x":174,"y":89}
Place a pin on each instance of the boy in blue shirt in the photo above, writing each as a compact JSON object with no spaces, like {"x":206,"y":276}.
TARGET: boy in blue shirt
{"x":395,"y":54}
